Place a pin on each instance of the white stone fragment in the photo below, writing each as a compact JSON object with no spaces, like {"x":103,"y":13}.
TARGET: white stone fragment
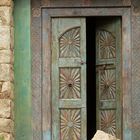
{"x":100,"y":135}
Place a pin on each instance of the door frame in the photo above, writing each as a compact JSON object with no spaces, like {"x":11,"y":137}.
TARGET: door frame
{"x":47,"y":14}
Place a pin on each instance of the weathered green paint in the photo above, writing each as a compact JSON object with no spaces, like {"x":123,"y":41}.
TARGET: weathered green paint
{"x":70,"y":106}
{"x":109,"y":90}
{"x":2,"y":138}
{"x":22,"y":69}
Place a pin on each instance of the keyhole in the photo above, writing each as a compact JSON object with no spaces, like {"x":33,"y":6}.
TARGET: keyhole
{"x":70,"y":85}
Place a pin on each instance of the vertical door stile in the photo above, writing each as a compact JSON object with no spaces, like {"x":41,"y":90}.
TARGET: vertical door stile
{"x":68,"y":79}
{"x":55,"y":82}
{"x":118,"y":77}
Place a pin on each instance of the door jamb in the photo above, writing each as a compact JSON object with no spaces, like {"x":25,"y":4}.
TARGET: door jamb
{"x":49,"y":13}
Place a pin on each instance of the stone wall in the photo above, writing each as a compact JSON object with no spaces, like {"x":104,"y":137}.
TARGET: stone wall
{"x":6,"y":70}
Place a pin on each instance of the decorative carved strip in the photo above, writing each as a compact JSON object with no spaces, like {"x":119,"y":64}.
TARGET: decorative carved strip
{"x":69,"y":43}
{"x":108,"y":121}
{"x":70,"y":79}
{"x":70,"y":124}
{"x":36,"y":12}
{"x":107,"y":84}
{"x":107,"y":44}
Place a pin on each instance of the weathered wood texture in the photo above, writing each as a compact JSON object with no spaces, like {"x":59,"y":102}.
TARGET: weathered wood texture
{"x":36,"y":70}
{"x":82,"y":3}
{"x":45,"y":101}
{"x":126,"y":45}
{"x":136,"y":70}
{"x":108,"y":75}
{"x":68,"y":78}
{"x":46,"y":77}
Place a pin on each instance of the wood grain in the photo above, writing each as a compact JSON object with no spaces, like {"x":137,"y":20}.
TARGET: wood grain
{"x":68,"y":82}
{"x":85,"y":3}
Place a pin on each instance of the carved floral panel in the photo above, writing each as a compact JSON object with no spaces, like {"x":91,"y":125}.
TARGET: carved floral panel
{"x":107,"y":44}
{"x":69,"y":43}
{"x":107,"y":84}
{"x":108,"y":121}
{"x":70,"y":124}
{"x":70,"y":79}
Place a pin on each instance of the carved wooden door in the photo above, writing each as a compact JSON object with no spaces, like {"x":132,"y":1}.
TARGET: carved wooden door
{"x":68,"y":79}
{"x":108,"y":77}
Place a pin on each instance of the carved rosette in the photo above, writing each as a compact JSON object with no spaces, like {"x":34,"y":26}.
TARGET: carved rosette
{"x":69,"y":43}
{"x":70,"y":83}
{"x":108,"y":122}
{"x":107,"y":44}
{"x":36,"y":12}
{"x":107,"y":84}
{"x":70,"y":124}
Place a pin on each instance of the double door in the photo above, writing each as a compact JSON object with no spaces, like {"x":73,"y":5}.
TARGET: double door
{"x":69,"y":77}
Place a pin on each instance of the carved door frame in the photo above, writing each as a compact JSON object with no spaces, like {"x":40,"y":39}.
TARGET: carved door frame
{"x":45,"y":61}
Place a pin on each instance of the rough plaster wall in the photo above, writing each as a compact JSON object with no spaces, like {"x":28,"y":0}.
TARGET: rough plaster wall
{"x":6,"y":70}
{"x":136,"y":70}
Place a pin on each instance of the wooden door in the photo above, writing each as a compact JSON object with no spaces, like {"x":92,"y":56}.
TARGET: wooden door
{"x":68,"y":76}
{"x":68,"y":79}
{"x":108,"y":68}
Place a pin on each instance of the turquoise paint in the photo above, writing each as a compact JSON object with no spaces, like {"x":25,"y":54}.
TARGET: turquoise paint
{"x":22,"y":69}
{"x":47,"y":135}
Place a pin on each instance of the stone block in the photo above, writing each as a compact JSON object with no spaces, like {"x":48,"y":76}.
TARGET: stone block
{"x":6,"y":136}
{"x":5,"y":95}
{"x":100,"y":135}
{"x":6,"y":18}
{"x":6,"y":2}
{"x":6,"y":72}
{"x":5,"y":37}
{"x":7,"y":90}
{"x":5,"y":108}
{"x":6,"y":57}
{"x":6,"y":125}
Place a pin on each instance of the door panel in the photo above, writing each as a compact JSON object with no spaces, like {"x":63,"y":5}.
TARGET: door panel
{"x":108,"y":77}
{"x":68,"y":79}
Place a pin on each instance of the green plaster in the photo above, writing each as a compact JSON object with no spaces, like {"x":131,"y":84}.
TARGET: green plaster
{"x":22,"y":69}
{"x":1,"y":138}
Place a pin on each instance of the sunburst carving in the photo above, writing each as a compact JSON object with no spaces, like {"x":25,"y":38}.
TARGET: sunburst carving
{"x":107,"y":44}
{"x":69,"y":43}
{"x":108,"y":122}
{"x":107,"y":84}
{"x":70,"y":124}
{"x":70,"y":83}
